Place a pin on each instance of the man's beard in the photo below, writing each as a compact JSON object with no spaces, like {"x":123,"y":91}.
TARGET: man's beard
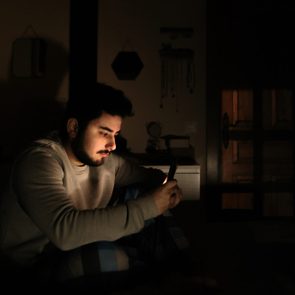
{"x":80,"y":153}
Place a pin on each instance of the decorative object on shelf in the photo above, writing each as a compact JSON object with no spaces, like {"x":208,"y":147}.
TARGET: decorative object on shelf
{"x":179,"y":146}
{"x":176,"y":141}
{"x":127,"y":65}
{"x":154,"y":131}
{"x":28,"y":55}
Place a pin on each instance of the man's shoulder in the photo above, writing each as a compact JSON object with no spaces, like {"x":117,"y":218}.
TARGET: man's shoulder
{"x":50,"y":141}
{"x":47,"y":147}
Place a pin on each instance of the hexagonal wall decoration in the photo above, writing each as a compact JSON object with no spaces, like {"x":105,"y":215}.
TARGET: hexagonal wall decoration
{"x":127,"y":65}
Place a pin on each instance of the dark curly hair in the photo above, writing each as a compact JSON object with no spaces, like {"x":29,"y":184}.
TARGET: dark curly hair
{"x":98,"y":99}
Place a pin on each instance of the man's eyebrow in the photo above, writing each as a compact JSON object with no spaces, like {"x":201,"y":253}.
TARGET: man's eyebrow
{"x":108,"y":129}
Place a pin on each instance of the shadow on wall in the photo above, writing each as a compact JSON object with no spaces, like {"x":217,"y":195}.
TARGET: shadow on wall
{"x":28,"y":106}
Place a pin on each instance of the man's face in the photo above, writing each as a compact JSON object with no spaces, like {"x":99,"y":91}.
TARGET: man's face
{"x":97,"y":141}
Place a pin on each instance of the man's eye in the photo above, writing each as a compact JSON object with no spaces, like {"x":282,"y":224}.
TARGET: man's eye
{"x":105,"y":134}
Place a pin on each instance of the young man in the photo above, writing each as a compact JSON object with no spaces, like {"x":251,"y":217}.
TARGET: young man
{"x":75,"y":209}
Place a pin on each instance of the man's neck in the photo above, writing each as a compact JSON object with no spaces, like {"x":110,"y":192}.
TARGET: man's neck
{"x":71,"y":155}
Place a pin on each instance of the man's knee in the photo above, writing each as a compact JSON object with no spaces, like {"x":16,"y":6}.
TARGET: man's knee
{"x":92,"y":260}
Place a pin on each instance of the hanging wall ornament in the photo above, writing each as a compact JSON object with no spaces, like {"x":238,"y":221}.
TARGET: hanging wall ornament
{"x":28,"y":55}
{"x":190,"y":75}
{"x":177,"y":73}
{"x":177,"y":64}
{"x":127,"y":65}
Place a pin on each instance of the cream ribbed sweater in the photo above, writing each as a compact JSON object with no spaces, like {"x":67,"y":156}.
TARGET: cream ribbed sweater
{"x":50,"y":201}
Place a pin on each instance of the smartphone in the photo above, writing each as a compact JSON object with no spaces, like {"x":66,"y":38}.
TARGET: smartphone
{"x":172,"y":170}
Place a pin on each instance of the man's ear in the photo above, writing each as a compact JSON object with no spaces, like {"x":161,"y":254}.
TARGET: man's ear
{"x":72,"y":127}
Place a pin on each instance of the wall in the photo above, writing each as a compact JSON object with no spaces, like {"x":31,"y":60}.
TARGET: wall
{"x":27,"y":103}
{"x":123,"y":25}
{"x":133,"y":25}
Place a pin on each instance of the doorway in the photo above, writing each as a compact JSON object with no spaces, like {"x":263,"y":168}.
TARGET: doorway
{"x":250,"y":112}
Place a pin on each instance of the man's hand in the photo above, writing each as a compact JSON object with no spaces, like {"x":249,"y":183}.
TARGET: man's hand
{"x":167,"y":196}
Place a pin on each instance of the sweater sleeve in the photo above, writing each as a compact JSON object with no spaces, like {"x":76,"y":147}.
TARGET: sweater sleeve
{"x":129,"y":172}
{"x":38,"y":184}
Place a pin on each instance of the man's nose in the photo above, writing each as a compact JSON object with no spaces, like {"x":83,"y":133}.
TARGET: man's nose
{"x":111,"y":143}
